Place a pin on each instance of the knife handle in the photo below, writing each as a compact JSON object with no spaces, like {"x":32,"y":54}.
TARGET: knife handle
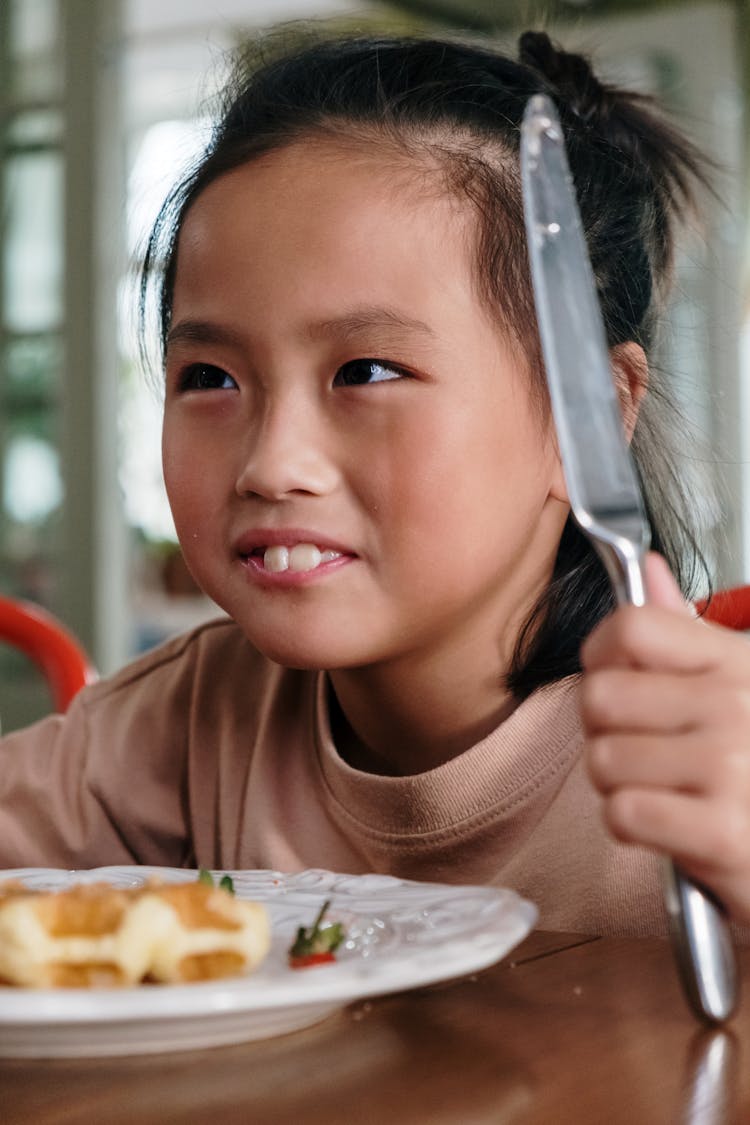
{"x":697,"y":920}
{"x":703,"y":946}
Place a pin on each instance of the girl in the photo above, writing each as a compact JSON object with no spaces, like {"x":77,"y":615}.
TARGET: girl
{"x":363,"y":473}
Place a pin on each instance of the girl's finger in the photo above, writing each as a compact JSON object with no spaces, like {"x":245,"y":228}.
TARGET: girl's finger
{"x":653,"y":761}
{"x":664,"y":634}
{"x":621,"y":700}
{"x":654,"y":637}
{"x":662,"y":588}
{"x":695,"y":833}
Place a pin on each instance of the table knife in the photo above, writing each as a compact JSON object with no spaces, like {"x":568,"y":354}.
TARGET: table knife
{"x":602,"y":484}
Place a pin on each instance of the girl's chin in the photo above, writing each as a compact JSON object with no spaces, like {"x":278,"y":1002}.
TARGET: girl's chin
{"x":321,"y":639}
{"x":308,"y":657}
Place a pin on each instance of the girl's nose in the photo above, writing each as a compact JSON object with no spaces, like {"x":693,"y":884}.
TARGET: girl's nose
{"x":287,"y":453}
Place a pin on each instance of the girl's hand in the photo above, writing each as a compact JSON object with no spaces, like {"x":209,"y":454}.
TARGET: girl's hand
{"x":666,"y":716}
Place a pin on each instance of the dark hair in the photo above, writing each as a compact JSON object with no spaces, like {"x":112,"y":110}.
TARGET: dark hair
{"x":458,"y":107}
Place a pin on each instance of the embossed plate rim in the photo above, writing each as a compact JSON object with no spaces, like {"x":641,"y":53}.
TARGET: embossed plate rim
{"x":423,"y":933}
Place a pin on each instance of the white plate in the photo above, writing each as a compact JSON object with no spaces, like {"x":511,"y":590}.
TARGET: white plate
{"x":400,"y":935}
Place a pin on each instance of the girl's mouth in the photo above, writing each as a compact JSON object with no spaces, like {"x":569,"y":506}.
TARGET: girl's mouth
{"x":300,"y":558}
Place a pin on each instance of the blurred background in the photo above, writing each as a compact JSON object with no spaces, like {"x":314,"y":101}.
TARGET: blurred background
{"x":103,"y":103}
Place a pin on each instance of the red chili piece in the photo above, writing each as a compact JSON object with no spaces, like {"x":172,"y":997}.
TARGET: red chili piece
{"x":306,"y":960}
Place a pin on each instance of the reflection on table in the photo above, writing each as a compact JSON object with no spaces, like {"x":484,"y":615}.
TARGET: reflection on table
{"x":568,"y":1029}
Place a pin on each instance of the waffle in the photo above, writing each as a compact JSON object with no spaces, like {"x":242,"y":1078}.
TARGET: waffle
{"x":96,"y":935}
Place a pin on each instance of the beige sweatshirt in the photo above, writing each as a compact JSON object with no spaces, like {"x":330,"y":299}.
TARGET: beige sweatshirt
{"x":204,"y":753}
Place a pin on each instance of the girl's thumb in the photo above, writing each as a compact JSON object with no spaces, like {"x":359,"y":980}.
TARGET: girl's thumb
{"x":661,"y":586}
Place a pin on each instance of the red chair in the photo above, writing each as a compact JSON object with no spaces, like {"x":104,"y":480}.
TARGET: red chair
{"x":49,"y":645}
{"x":728,"y":607}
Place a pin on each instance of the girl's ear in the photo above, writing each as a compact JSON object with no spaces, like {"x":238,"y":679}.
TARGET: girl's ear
{"x":630,"y":369}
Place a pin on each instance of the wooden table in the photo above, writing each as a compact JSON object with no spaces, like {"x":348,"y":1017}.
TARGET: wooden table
{"x":566,"y":1031}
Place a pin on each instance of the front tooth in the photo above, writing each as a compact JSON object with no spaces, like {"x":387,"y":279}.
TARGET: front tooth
{"x":276,"y":559}
{"x":304,"y":556}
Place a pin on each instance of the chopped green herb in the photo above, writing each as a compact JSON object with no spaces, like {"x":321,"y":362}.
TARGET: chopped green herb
{"x":225,"y":883}
{"x":317,"y":942}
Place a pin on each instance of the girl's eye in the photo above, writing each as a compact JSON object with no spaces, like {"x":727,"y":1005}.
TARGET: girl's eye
{"x":205,"y":377}
{"x":360,"y":372}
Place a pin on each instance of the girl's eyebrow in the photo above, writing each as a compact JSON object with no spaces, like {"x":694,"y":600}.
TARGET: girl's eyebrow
{"x":348,"y":324}
{"x":202,"y":332}
{"x":368,"y":316}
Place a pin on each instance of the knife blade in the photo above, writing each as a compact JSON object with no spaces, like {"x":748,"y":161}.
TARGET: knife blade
{"x":602,"y":483}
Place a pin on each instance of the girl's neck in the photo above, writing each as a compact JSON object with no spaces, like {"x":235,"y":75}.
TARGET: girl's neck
{"x":432,"y":703}
{"x":397,"y":725}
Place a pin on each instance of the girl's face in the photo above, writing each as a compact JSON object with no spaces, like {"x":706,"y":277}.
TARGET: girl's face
{"x":357,"y":473}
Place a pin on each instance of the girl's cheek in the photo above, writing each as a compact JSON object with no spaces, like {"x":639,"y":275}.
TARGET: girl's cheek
{"x":183,"y":476}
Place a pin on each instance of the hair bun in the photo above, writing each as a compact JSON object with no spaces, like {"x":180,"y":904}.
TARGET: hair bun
{"x":571,"y":75}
